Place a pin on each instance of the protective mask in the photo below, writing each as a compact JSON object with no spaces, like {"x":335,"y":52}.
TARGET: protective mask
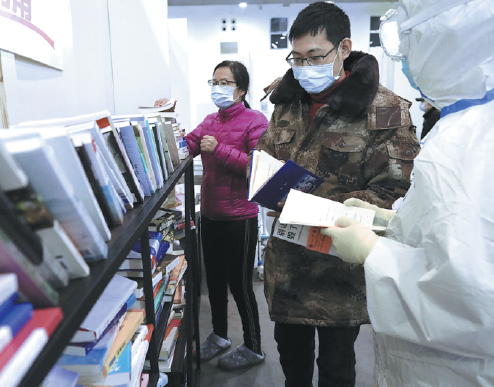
{"x":222,"y":96}
{"x":315,"y":79}
{"x":422,"y":106}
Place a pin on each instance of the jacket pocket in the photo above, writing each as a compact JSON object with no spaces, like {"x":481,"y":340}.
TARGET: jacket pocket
{"x":341,"y":157}
{"x":401,"y":157}
{"x":283,"y":143}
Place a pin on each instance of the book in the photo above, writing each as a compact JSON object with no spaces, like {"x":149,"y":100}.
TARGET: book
{"x":50,"y":181}
{"x":153,"y":125}
{"x":308,"y":236}
{"x":83,"y":348}
{"x":170,"y":338}
{"x":309,"y":210}
{"x":18,"y":356}
{"x":91,"y":159}
{"x":16,"y":317}
{"x":32,"y":286}
{"x":141,"y":142}
{"x":113,"y":298}
{"x":169,"y":106}
{"x":108,"y":161}
{"x":157,"y":275}
{"x":104,"y":123}
{"x":138,"y":338}
{"x":138,"y":364}
{"x":63,"y":250}
{"x":129,"y":140}
{"x":270,"y":180}
{"x":18,"y":229}
{"x":58,"y":139}
{"x":131,"y":322}
{"x":58,"y":377}
{"x":94,"y":361}
{"x":170,"y":141}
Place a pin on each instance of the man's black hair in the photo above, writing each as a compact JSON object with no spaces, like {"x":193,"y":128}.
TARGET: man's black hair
{"x":240,"y":76}
{"x":318,"y":17}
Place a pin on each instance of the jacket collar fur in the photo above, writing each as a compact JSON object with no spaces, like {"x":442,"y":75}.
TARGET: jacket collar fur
{"x":351,"y":98}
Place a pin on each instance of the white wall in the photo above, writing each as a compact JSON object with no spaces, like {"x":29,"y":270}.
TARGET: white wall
{"x":179,"y":67}
{"x":252,"y":34}
{"x":35,"y":91}
{"x":140,"y":48}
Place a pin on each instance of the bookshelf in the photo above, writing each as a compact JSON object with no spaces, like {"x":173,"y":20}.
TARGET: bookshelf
{"x":77,"y":299}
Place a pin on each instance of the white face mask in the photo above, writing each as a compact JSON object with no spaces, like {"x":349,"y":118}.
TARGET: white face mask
{"x":222,"y":96}
{"x":422,"y":106}
{"x":315,"y":79}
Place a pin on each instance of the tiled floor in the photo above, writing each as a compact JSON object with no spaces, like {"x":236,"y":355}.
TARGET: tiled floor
{"x":268,"y":374}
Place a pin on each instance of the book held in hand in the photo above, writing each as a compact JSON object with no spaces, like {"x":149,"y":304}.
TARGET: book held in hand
{"x":310,"y":210}
{"x":308,"y":236}
{"x":270,"y":180}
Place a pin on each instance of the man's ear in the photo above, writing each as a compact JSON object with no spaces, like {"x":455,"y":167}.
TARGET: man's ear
{"x":346,"y":48}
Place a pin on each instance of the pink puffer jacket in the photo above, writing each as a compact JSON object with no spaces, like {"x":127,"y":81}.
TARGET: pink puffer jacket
{"x":224,"y":184}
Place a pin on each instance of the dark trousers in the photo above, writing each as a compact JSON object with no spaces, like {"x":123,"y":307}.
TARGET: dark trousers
{"x":336,"y":361}
{"x":229,"y":249}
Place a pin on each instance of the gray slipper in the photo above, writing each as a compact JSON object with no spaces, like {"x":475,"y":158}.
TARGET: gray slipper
{"x":240,"y":357}
{"x":213,"y":346}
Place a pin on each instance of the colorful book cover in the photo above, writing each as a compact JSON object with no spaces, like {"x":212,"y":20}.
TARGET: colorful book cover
{"x":18,"y":356}
{"x":270,"y":180}
{"x":132,"y":320}
{"x":141,"y":142}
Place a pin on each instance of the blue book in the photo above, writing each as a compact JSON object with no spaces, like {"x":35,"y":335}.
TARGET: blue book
{"x":164,"y":246}
{"x":7,"y":304}
{"x":94,"y":361}
{"x":135,"y":156}
{"x":58,"y":377}
{"x":271,"y":180}
{"x":120,"y":372}
{"x":17,"y":316}
{"x":82,"y":349}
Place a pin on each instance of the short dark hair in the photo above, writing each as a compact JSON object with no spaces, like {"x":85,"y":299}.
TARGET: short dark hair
{"x":318,"y":17}
{"x":240,"y":75}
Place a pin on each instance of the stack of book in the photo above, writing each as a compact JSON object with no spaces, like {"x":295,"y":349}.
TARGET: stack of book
{"x":101,"y":350}
{"x":170,"y":338}
{"x":23,"y":331}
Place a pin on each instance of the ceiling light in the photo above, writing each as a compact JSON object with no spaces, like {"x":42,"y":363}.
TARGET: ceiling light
{"x":243,"y":4}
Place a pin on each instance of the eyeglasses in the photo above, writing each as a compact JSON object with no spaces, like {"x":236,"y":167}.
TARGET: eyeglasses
{"x":311,"y":61}
{"x":222,"y":82}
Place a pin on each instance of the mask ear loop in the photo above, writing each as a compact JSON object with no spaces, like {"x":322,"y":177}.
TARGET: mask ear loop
{"x":338,"y":76}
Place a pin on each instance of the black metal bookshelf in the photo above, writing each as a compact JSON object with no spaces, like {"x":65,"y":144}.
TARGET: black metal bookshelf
{"x":77,"y":299}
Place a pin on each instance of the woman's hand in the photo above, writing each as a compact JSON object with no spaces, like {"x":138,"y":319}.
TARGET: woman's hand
{"x":276,"y":214}
{"x":161,"y":102}
{"x":208,"y":144}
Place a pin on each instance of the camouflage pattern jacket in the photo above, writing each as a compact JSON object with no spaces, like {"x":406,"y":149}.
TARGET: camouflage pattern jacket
{"x":363,"y":143}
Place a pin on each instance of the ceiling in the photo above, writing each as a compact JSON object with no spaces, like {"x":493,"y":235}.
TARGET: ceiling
{"x":236,"y":2}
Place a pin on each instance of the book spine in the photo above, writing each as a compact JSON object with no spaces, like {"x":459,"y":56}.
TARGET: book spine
{"x":130,"y":142}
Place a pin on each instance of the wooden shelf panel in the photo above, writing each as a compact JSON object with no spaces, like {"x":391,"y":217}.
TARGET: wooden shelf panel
{"x":77,"y":299}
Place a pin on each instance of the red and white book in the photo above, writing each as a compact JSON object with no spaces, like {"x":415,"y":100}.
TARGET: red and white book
{"x":19,"y":355}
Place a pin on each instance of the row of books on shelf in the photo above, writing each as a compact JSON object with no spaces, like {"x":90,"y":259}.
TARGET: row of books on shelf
{"x":65,"y":183}
{"x":110,"y":346}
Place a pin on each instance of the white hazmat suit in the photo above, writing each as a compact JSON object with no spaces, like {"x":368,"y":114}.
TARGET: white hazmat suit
{"x":430,"y":281}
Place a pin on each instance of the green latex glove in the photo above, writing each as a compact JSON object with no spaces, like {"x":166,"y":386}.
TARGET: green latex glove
{"x":352,"y":240}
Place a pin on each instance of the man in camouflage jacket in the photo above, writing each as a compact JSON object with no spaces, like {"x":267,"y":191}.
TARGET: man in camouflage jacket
{"x":362,"y":142}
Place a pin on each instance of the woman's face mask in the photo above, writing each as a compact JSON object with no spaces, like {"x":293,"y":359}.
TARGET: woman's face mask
{"x":315,"y":79}
{"x":222,"y":96}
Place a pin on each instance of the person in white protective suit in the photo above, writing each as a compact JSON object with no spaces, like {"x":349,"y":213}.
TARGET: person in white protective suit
{"x":430,"y":279}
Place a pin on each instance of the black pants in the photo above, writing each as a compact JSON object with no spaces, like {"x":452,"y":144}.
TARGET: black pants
{"x":229,"y":249}
{"x":336,"y":361}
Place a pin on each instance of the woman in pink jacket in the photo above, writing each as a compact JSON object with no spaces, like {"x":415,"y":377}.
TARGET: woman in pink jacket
{"x":228,"y":220}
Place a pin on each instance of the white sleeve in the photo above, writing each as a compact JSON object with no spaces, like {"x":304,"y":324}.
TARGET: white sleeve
{"x":447,"y":306}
